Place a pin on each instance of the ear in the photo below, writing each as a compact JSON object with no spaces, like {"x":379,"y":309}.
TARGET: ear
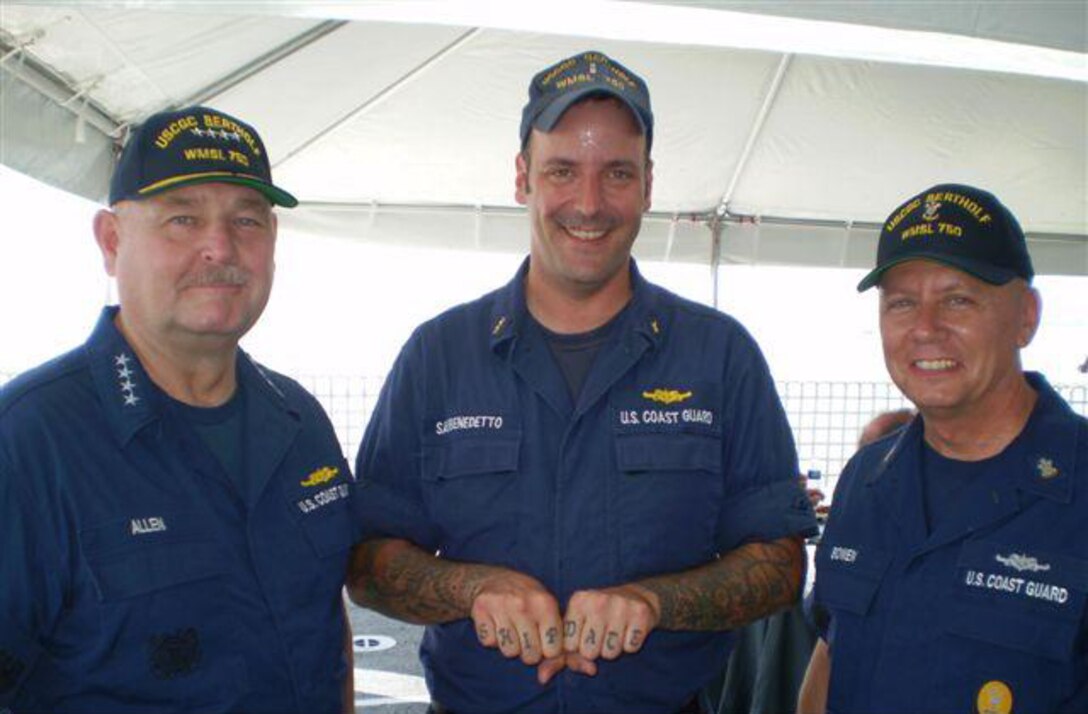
{"x":521,"y":179}
{"x":649,"y":185}
{"x":107,"y":235}
{"x":1031,"y":311}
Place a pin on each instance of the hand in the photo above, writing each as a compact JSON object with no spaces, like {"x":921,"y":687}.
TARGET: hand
{"x":610,"y":622}
{"x":602,"y":623}
{"x":572,"y":661}
{"x":516,"y":614}
{"x":815,"y":497}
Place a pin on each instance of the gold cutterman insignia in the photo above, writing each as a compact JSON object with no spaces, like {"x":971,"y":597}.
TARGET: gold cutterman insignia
{"x":994,"y":697}
{"x":322,"y":475}
{"x":1047,"y":469}
{"x":666,"y":396}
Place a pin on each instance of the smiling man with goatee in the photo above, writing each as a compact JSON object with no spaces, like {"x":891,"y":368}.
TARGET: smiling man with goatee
{"x":595,"y":481}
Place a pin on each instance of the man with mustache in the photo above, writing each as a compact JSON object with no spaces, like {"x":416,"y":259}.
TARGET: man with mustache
{"x":175,"y":518}
{"x":593,"y":479}
{"x":954,"y":565}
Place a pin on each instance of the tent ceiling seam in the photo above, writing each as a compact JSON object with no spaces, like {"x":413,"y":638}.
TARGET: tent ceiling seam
{"x":756,"y":130}
{"x":120,"y":54}
{"x":259,"y":64}
{"x":385,"y":92}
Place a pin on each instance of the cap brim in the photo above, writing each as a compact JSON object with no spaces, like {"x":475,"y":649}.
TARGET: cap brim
{"x":983,"y":271}
{"x":276,"y":195}
{"x":549,"y":117}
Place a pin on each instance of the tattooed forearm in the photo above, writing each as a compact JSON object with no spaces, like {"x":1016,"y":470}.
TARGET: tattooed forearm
{"x":748,"y":583}
{"x":400,"y":580}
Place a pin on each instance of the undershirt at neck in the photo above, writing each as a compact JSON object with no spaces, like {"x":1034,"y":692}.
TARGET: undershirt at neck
{"x":945,"y":480}
{"x":575,"y":353}
{"x":221,"y":430}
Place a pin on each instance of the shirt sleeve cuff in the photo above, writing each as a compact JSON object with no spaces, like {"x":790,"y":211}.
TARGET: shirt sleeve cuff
{"x":766,"y":513}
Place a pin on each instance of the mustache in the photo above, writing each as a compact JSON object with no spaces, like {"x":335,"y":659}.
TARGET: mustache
{"x":216,"y":276}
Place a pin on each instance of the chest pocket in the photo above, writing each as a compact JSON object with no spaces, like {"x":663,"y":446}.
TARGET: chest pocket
{"x":471,"y":490}
{"x":159,"y":582}
{"x":321,"y":503}
{"x":668,"y":493}
{"x":1019,"y":598}
{"x":848,"y":576}
{"x":136,"y":556}
{"x":1015,"y":620}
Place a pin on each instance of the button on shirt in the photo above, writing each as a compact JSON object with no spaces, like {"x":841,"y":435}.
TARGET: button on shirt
{"x":135,"y":576}
{"x":676,"y":451}
{"x":985,"y":613}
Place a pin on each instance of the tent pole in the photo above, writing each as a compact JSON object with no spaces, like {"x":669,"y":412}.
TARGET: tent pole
{"x":717,"y":227}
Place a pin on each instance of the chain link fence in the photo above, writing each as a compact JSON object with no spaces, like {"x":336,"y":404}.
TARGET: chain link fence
{"x":826,"y":417}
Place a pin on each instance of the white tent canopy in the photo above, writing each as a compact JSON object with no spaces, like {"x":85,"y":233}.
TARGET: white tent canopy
{"x":786,"y":131}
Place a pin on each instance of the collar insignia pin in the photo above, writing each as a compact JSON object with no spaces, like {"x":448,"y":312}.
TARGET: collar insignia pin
{"x":1047,"y":469}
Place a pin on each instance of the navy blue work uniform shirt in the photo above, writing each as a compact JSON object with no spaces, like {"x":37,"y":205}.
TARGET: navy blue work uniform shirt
{"x":676,"y":451}
{"x":986,"y":613}
{"x":135,"y":577}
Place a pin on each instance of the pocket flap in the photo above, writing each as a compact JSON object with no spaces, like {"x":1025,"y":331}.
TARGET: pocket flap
{"x":154,"y":566}
{"x":668,"y":452}
{"x":467,"y":456}
{"x":138,"y":555}
{"x":847,"y":578}
{"x":1020,"y":629}
{"x":329,"y":530}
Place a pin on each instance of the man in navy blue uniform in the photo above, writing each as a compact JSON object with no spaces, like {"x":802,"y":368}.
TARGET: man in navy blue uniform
{"x":955,"y":560}
{"x":175,"y":519}
{"x":594,"y":479}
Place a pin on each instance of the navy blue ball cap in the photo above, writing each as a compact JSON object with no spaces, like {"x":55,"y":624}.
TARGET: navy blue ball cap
{"x":193,"y":145}
{"x":555,"y":89}
{"x":961,"y":226}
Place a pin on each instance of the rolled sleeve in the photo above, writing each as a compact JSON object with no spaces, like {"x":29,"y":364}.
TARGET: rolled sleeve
{"x":380,"y":512}
{"x":390,"y":502}
{"x":764,"y":500}
{"x":766,"y":513}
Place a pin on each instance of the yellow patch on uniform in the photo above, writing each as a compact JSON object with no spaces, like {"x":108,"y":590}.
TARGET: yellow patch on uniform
{"x":1047,"y":469}
{"x":994,"y":697}
{"x":322,"y":475}
{"x":667,"y":396}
